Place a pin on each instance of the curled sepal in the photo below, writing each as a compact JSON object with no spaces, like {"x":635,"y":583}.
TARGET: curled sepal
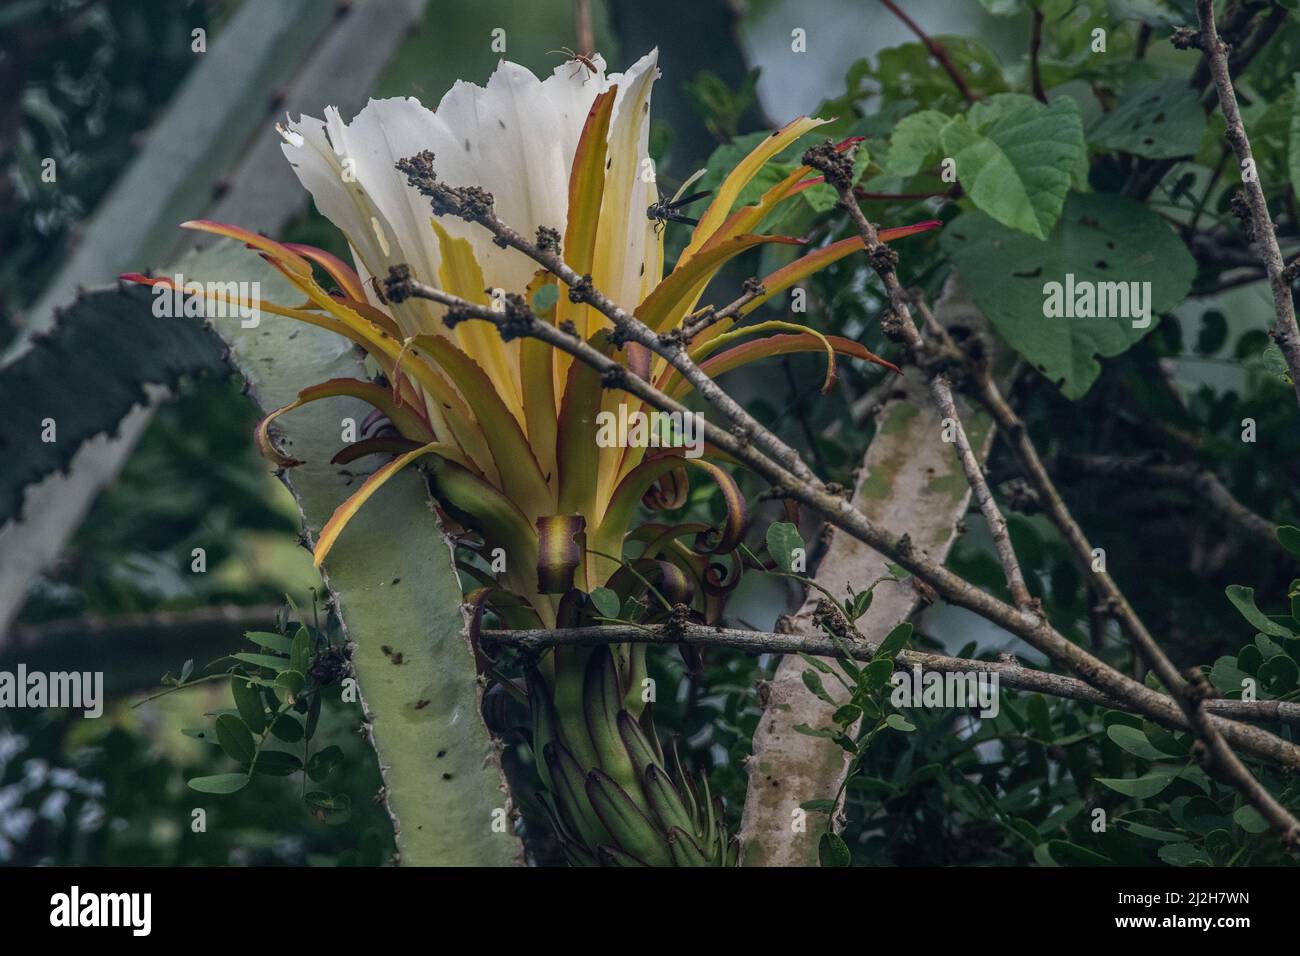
{"x":560,"y":546}
{"x":379,"y":445}
{"x":628,"y":494}
{"x":404,"y":419}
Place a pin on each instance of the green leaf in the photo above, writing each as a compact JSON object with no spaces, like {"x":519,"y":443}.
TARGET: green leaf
{"x":1142,"y":787}
{"x":186,"y":670}
{"x":914,"y":143}
{"x":1243,"y":599}
{"x":833,"y":851}
{"x":329,"y":808}
{"x":323,"y":762}
{"x":1279,"y":675}
{"x":818,"y":806}
{"x":300,"y":651}
{"x":1289,"y":535}
{"x":279,"y":643}
{"x":292,"y":681}
{"x":1249,"y":819}
{"x":1100,"y":238}
{"x":1158,"y":120}
{"x":860,"y":604}
{"x":878,"y":673}
{"x":1134,"y":741}
{"x":235,"y":739}
{"x":1014,"y":156}
{"x":287,"y":728}
{"x":899,"y":722}
{"x":1071,"y":854}
{"x":219,"y":783}
{"x":262,"y":660}
{"x":1226,"y":676}
{"x":814,"y":683}
{"x":783,"y":539}
{"x":847,"y":714}
{"x":1184,"y":854}
{"x":248,"y":700}
{"x":895,"y":641}
{"x":606,"y":602}
{"x":277,"y":763}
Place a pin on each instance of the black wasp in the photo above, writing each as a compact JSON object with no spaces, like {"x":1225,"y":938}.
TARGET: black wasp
{"x":669,"y":210}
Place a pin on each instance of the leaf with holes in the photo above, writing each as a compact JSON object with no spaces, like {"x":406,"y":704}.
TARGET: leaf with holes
{"x":1103,"y":244}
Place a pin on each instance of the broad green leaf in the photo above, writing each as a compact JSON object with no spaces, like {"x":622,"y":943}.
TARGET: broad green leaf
{"x":235,"y":739}
{"x":915,"y":142}
{"x":219,"y":783}
{"x":1014,"y":156}
{"x":783,"y":540}
{"x":1289,"y":535}
{"x":847,"y":714}
{"x":1134,"y":741}
{"x":833,"y":851}
{"x":1104,"y":240}
{"x":1243,"y":599}
{"x":1142,"y":787}
{"x":1158,"y":120}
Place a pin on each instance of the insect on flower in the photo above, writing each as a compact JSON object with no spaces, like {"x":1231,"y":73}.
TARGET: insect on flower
{"x":666,"y":211}
{"x":584,"y":61}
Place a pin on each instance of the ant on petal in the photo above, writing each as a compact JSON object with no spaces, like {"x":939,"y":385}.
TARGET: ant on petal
{"x":584,"y":61}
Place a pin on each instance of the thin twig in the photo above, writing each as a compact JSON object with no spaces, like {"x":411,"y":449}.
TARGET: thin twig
{"x":1202,"y":483}
{"x":1035,"y":45}
{"x":1285,"y":331}
{"x":936,"y":50}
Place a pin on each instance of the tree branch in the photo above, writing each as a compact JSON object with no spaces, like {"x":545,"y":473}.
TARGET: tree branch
{"x":1010,"y":672}
{"x":1260,"y":228}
